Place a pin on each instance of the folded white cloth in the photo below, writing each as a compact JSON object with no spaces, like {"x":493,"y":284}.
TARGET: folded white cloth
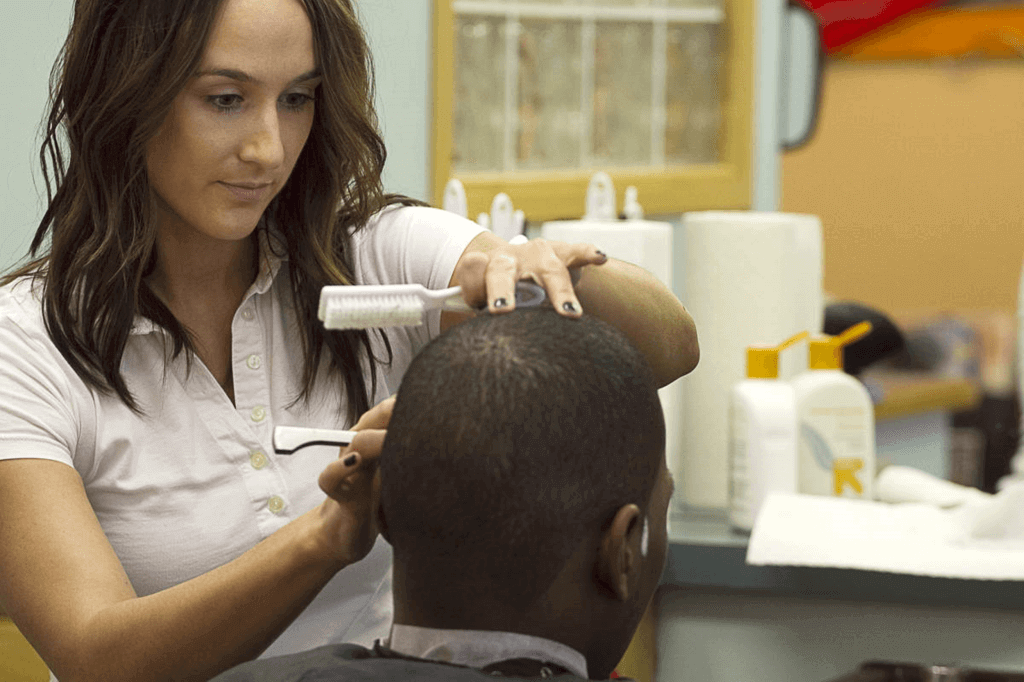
{"x":905,"y":484}
{"x":982,"y":538}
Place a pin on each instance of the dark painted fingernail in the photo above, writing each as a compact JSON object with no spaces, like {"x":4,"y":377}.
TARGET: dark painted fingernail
{"x":602,"y":253}
{"x":568,"y":307}
{"x":500,"y":303}
{"x":351,"y":460}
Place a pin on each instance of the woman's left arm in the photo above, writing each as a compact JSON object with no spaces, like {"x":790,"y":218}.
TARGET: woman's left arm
{"x":624,"y":295}
{"x":645,"y":310}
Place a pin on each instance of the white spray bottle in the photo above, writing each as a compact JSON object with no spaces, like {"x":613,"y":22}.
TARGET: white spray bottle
{"x":762,"y":435}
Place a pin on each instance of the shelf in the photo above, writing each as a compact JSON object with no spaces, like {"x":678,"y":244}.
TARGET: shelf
{"x":705,"y":553}
{"x":902,"y":394}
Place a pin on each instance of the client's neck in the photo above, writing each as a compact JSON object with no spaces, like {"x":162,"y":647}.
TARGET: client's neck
{"x":462,"y":606}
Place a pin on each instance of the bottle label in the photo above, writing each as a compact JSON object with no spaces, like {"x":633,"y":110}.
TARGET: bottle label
{"x":844,"y":474}
{"x":834,"y":451}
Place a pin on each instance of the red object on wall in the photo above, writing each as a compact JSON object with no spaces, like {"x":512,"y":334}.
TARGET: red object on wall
{"x":844,"y":21}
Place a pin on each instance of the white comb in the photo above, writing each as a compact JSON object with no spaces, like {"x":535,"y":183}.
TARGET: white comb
{"x":288,"y":439}
{"x":400,"y":305}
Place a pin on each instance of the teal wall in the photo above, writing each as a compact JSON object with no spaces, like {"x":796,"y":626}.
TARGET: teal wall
{"x":399,"y":32}
{"x":32,"y":32}
{"x":766,"y":168}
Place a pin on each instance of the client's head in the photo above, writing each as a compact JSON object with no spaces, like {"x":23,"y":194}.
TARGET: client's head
{"x":523,"y":483}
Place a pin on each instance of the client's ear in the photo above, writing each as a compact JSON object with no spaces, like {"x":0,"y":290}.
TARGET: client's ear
{"x":618,"y":561}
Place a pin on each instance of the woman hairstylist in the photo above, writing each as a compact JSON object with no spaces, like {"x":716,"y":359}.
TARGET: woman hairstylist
{"x":222,"y":165}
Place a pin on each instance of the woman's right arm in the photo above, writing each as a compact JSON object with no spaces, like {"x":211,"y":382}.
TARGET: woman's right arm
{"x":65,"y":588}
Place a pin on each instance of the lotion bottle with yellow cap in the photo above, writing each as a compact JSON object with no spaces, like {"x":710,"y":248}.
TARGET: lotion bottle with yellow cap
{"x":836,"y":422}
{"x":763,"y":435}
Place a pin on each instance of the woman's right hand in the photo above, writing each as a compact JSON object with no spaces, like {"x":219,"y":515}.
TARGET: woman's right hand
{"x":352,"y":483}
{"x":64,"y":585}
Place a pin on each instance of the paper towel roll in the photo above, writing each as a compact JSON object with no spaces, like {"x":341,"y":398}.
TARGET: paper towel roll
{"x":751,"y":278}
{"x":646,"y":243}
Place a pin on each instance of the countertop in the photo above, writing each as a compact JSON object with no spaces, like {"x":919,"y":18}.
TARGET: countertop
{"x":704,"y":552}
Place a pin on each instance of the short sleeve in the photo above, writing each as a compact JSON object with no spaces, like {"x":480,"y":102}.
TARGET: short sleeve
{"x":38,"y":406}
{"x":411,"y":245}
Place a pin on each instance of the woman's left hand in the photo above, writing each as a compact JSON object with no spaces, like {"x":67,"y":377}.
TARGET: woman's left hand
{"x":622,"y":294}
{"x":490,"y":267}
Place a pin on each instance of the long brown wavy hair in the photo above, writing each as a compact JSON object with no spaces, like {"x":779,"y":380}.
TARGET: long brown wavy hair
{"x":119,"y":71}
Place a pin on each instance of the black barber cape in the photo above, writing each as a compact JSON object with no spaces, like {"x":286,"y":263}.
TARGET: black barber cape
{"x":353,"y":663}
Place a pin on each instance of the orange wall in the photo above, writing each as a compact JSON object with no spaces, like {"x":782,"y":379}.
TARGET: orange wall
{"x":917,"y":172}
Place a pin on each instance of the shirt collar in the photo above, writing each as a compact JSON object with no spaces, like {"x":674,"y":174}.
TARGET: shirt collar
{"x":272,"y":253}
{"x":480,"y":648}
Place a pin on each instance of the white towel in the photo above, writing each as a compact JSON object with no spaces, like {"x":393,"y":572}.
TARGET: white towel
{"x":981,"y":539}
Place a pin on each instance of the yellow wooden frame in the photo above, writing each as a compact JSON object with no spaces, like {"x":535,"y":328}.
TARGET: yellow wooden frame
{"x":668,"y":190}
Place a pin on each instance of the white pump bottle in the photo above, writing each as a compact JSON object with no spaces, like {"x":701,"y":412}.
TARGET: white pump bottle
{"x":837,"y":422}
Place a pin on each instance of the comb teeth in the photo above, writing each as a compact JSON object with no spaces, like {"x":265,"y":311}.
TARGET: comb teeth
{"x":365,"y":312}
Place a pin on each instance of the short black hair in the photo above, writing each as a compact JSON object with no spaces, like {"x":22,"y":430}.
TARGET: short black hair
{"x":512,"y":438}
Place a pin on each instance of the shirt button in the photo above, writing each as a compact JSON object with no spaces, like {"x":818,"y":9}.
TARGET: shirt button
{"x":248,"y":314}
{"x":254,"y":361}
{"x":259,"y":413}
{"x":257,"y":459}
{"x":275,"y":505}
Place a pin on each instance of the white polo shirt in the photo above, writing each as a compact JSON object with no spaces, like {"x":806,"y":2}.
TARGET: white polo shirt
{"x":194,"y":482}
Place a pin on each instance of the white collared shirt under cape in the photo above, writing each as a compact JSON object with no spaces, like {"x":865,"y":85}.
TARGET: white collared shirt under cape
{"x":480,"y":648}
